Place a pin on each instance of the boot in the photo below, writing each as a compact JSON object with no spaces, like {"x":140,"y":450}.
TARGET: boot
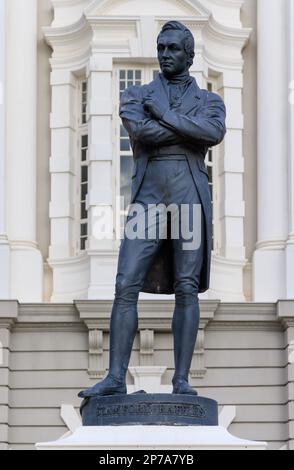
{"x":185,"y":326}
{"x":123,"y":329}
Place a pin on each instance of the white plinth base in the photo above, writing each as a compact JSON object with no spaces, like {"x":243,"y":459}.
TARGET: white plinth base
{"x":151,"y":437}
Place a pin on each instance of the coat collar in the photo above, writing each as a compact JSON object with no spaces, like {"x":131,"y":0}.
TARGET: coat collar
{"x":190,"y":99}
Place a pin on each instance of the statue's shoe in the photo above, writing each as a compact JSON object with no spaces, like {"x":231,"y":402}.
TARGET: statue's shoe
{"x":182,"y":387}
{"x":109,"y":386}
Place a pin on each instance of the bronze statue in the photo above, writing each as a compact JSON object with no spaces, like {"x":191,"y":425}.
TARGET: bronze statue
{"x":171,"y":123}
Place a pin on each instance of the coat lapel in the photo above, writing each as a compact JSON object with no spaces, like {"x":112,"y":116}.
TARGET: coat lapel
{"x":191,"y":99}
{"x":159,"y":88}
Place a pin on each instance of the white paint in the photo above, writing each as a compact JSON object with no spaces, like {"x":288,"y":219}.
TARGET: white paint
{"x":290,"y":241}
{"x":4,"y":245}
{"x":269,"y":274}
{"x":26,"y":260}
{"x":70,"y":417}
{"x":227,"y":416}
{"x":152,"y":437}
{"x":148,"y":378}
{"x":123,"y":35}
{"x":143,"y":8}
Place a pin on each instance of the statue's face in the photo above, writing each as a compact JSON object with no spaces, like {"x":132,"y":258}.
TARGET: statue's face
{"x":171,"y":53}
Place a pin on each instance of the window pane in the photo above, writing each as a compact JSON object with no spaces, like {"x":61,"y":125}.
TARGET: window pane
{"x":124,"y":145}
{"x":84,"y":191}
{"x":123,"y":132}
{"x":84,"y":176}
{"x":122,"y":74}
{"x":84,"y":141}
{"x":130,"y":74}
{"x":138,"y":74}
{"x":83,"y":244}
{"x":84,"y":230}
{"x":84,"y":213}
{"x":126,"y":165}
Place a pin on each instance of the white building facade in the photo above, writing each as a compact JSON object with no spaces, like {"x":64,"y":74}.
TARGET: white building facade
{"x":65,"y":163}
{"x":98,"y":49}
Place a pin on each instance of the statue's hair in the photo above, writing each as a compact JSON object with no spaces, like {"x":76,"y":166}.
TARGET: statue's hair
{"x":189,"y":39}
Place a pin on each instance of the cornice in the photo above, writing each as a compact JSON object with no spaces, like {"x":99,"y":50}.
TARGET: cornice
{"x":228,"y":34}
{"x":153,"y":314}
{"x":75,"y":62}
{"x":62,"y":36}
{"x":8,"y":313}
{"x":285,"y":313}
{"x":73,"y":38}
{"x":246,"y":315}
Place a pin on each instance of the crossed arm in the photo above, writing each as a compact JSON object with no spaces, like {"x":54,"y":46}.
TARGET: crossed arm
{"x":166,"y":127}
{"x":141,"y":128}
{"x":207,"y":127}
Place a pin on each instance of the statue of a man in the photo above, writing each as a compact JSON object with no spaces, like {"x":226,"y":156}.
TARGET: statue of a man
{"x":171,"y":123}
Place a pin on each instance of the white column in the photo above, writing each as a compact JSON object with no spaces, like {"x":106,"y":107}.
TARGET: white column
{"x":62,"y":165}
{"x":229,"y":259}
{"x":101,"y":178}
{"x":26,"y":259}
{"x":231,"y":168}
{"x":4,"y":245}
{"x":290,"y":241}
{"x":269,"y":281}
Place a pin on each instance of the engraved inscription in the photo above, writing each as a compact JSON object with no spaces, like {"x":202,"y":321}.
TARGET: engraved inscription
{"x":149,"y":409}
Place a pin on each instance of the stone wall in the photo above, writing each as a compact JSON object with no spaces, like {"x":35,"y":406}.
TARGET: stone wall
{"x":50,"y":352}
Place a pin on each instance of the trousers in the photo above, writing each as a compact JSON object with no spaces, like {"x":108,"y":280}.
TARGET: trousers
{"x":167,"y":182}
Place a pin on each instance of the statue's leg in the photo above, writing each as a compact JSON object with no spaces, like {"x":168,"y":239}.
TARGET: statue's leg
{"x":185,"y":327}
{"x":135,"y":258}
{"x":123,"y":329}
{"x":187,"y":269}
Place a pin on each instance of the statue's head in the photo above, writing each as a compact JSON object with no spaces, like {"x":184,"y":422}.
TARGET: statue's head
{"x":175,"y":48}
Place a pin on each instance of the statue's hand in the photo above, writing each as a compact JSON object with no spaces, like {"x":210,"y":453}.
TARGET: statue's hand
{"x":153,"y":106}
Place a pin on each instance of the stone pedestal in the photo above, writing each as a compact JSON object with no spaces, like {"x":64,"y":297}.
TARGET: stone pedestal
{"x":151,"y":438}
{"x":143,"y":408}
{"x":142,"y":421}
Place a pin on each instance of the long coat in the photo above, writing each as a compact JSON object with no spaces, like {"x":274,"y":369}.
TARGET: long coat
{"x":197,"y":124}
